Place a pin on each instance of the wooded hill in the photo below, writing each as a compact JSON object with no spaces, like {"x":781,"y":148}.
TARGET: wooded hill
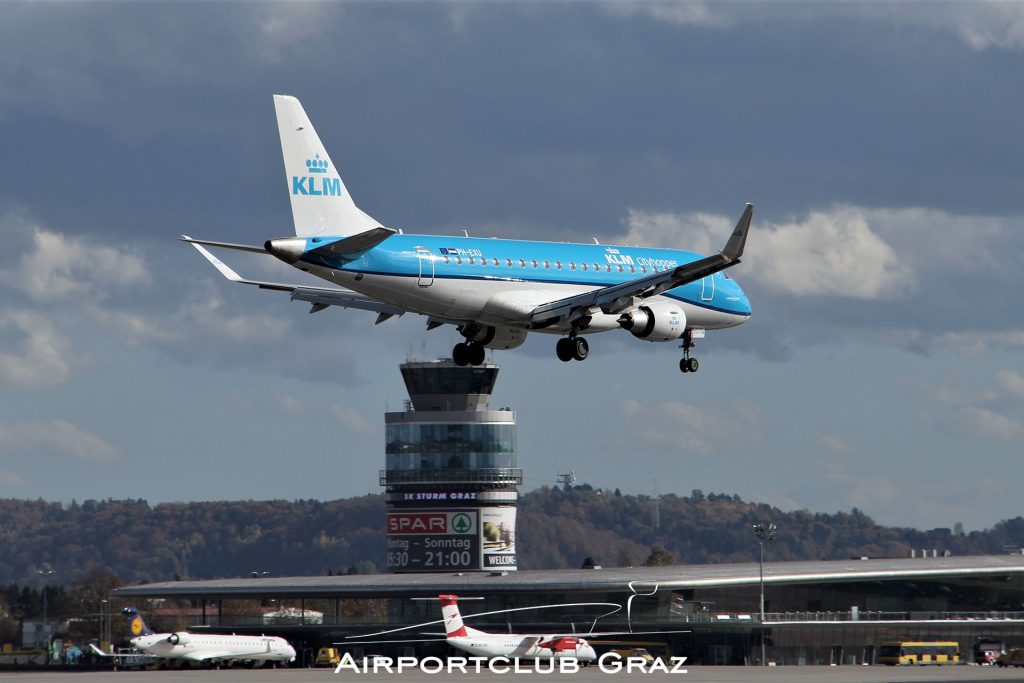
{"x":556,"y":528}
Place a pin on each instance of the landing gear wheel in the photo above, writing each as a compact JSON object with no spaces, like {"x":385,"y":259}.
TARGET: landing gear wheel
{"x":477,"y":354}
{"x":564,"y":349}
{"x":580,"y":348}
{"x":684,"y":365}
{"x":460,"y":354}
{"x":692,"y":365}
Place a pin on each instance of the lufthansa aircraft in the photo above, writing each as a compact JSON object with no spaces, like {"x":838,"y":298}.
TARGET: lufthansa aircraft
{"x":494,"y":291}
{"x":208,"y":648}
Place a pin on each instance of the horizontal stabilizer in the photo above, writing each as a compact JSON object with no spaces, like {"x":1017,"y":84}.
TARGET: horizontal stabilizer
{"x":319,"y":296}
{"x":226,"y":245}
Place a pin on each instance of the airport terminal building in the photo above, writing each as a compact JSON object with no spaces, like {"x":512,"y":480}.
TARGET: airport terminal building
{"x":827,"y":612}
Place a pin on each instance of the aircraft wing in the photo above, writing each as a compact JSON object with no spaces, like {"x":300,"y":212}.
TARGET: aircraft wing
{"x":320,"y":297}
{"x":617,"y":298}
{"x":121,"y":655}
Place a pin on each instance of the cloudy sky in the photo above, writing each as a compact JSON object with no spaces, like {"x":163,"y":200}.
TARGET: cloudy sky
{"x":883,"y":367}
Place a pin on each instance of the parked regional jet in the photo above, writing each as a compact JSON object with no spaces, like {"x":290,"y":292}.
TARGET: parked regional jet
{"x":210,"y":648}
{"x":494,"y":291}
{"x":511,"y":645}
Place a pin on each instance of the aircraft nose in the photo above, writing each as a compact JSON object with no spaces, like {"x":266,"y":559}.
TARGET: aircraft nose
{"x":740,"y":302}
{"x":744,"y":305}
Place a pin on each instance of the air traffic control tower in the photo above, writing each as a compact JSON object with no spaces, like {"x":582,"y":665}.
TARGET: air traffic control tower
{"x":451,"y":477}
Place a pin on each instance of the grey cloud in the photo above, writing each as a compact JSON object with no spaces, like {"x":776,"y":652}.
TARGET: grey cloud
{"x":55,"y":437}
{"x":35,"y":353}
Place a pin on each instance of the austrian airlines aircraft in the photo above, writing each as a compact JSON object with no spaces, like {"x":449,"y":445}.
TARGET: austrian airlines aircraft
{"x":510,"y":645}
{"x":205,"y":647}
{"x":494,"y":291}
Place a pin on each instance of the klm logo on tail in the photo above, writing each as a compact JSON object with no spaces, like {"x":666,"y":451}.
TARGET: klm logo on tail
{"x":318,"y":185}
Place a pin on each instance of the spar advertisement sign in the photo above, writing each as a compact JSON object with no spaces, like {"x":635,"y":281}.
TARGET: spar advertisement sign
{"x":433,"y":540}
{"x":443,"y":540}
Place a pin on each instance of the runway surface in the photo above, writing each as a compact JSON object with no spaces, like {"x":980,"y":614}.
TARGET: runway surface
{"x":696,"y":674}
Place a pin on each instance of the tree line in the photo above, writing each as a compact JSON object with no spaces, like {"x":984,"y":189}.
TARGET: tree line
{"x":557,"y":527}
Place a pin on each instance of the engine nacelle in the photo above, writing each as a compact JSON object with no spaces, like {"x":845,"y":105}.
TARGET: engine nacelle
{"x":661,"y":321}
{"x":499,"y":337}
{"x":179,"y":638}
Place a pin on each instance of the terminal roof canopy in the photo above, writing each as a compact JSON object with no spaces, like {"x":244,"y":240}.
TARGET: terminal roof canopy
{"x":676,"y":577}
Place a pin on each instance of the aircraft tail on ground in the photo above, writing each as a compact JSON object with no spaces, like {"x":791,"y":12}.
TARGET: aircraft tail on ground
{"x":136,"y":626}
{"x":453,"y":625}
{"x":320,"y":201}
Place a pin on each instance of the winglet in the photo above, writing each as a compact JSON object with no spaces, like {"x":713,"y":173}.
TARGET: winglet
{"x":734,"y":247}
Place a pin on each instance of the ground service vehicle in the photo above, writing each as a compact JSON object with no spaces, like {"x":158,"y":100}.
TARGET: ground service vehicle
{"x":628,"y":652}
{"x":986,"y":651}
{"x":1014,"y":657}
{"x":906,"y":653}
{"x":328,"y":656}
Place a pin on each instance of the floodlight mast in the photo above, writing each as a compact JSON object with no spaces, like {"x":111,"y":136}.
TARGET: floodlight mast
{"x":763,"y":532}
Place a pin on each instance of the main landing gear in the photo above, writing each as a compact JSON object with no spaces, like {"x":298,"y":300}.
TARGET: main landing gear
{"x":468,"y":353}
{"x":687,"y":364}
{"x":572,"y":348}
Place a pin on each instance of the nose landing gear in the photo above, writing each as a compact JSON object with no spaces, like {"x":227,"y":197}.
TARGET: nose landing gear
{"x":687,"y":364}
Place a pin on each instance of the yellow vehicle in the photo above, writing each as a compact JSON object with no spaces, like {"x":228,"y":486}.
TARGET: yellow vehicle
{"x":905,"y":653}
{"x":328,"y":656}
{"x":628,"y":652}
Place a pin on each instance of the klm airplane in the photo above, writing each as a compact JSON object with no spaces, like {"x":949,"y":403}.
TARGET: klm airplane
{"x":493,"y":291}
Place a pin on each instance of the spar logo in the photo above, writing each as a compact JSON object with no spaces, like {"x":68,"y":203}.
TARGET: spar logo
{"x":461,"y":523}
{"x":430,"y":523}
{"x":316,"y":184}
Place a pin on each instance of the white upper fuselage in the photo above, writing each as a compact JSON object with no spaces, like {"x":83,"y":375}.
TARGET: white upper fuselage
{"x":202,"y":647}
{"x":520,"y":646}
{"x":499,"y":282}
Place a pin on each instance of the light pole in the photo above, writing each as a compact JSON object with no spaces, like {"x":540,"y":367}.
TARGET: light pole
{"x":763,"y":532}
{"x":46,"y":631}
{"x":103,"y":624}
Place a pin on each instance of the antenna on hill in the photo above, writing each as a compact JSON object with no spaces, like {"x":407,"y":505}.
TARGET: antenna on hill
{"x":567,"y":479}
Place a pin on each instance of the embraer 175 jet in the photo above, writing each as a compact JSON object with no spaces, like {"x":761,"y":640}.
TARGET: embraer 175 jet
{"x":494,"y":291}
{"x":209,"y":648}
{"x":511,"y":645}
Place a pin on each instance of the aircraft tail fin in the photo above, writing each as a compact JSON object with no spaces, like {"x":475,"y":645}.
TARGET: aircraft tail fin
{"x":453,"y":625}
{"x":136,"y":626}
{"x":320,"y":201}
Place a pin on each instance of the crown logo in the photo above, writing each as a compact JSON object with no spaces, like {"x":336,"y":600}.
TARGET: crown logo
{"x":316,"y":165}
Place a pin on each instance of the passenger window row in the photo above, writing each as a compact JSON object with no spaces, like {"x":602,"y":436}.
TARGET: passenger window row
{"x":547,"y":265}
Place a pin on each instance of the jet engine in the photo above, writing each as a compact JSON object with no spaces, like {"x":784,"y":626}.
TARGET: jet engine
{"x":660,"y":321}
{"x":498,"y":337}
{"x":179,"y":638}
